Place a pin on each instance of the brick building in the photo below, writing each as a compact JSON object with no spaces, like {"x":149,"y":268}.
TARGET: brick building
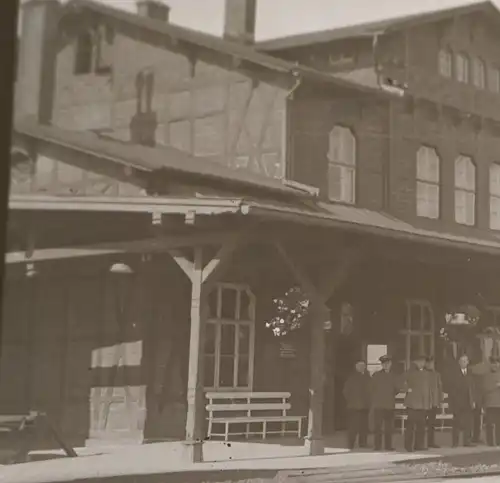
{"x":164,"y":152}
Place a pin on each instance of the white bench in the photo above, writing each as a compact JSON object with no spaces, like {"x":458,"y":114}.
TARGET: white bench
{"x":268,"y":410}
{"x":16,"y":422}
{"x":443,"y":415}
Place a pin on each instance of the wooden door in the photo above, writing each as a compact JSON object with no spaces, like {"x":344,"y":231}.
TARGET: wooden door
{"x":118,"y":393}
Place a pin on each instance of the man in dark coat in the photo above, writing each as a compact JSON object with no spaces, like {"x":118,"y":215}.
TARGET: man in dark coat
{"x":417,"y":385}
{"x":436,"y":401}
{"x":385,"y":385}
{"x":491,"y":401}
{"x":357,"y":395}
{"x":461,"y":390}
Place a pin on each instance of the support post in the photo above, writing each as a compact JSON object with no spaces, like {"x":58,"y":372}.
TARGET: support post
{"x":195,"y":409}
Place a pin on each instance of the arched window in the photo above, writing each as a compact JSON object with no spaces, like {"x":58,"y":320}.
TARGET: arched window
{"x":495,"y":196}
{"x":229,"y":338}
{"x":84,"y":54}
{"x":342,"y":165}
{"x":428,"y":192}
{"x":465,"y":191}
{"x":479,"y":73}
{"x":445,"y":62}
{"x":462,"y":68}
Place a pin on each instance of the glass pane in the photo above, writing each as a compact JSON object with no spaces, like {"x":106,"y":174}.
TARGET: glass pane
{"x":415,"y":346}
{"x":245,"y":306}
{"x":399,"y":348}
{"x":427,"y":318}
{"x":243,"y":372}
{"x":415,"y":317}
{"x":495,"y":213}
{"x":427,"y":345}
{"x":228,"y":307}
{"x":212,"y":304}
{"x":334,"y":182}
{"x":227,"y":343}
{"x":226,"y":371}
{"x":210,"y":339}
{"x":334,"y":145}
{"x":495,"y":179}
{"x":244,"y":339}
{"x":209,"y":371}
{"x":347,"y":184}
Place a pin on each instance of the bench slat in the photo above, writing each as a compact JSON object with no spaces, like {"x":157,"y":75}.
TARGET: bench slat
{"x":257,"y":419}
{"x":248,"y":407}
{"x":247,"y":395}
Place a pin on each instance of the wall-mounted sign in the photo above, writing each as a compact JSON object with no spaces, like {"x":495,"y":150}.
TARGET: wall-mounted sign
{"x":287,"y":351}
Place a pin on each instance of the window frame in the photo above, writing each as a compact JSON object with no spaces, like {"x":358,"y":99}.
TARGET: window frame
{"x":427,"y":181}
{"x":462,"y":61}
{"x":494,"y":79}
{"x":445,"y":62}
{"x":466,"y":190}
{"x":493,"y":196}
{"x":345,"y":166}
{"x":218,"y":322}
{"x":408,"y":332}
{"x":479,"y":67}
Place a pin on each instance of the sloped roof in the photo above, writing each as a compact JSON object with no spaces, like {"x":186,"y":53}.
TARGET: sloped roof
{"x":151,"y":159}
{"x":368,"y":29}
{"x":235,"y":49}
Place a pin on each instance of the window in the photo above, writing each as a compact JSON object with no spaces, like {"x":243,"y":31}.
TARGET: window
{"x":341,"y":165}
{"x":495,"y":196}
{"x":494,"y":80}
{"x":84,"y":55}
{"x":462,"y":68}
{"x":445,"y":63}
{"x":465,"y":191}
{"x":479,"y":73}
{"x":229,"y":338}
{"x":427,"y":182}
{"x":418,"y":334}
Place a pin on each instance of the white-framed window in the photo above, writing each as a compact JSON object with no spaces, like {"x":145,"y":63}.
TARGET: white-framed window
{"x":418,"y":335}
{"x":230,"y":338}
{"x":479,"y":73}
{"x":494,"y":79}
{"x":445,"y":62}
{"x":462,"y":68}
{"x":428,"y":198}
{"x":465,"y":191}
{"x":495,"y":196}
{"x":342,"y":165}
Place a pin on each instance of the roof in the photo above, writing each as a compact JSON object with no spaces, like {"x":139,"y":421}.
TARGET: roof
{"x":206,"y":41}
{"x":311,"y":213}
{"x":151,"y":159}
{"x":368,"y":29}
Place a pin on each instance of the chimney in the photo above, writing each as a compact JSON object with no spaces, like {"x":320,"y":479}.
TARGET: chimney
{"x":154,"y":9}
{"x":36,"y":61}
{"x":240,"y":17}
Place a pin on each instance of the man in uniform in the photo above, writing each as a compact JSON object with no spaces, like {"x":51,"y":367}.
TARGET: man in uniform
{"x":491,"y":401}
{"x":417,"y":385}
{"x":357,"y":395}
{"x":436,"y":400}
{"x":385,"y":386}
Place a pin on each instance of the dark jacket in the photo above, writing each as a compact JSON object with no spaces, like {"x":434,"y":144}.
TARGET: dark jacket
{"x":462,"y":390}
{"x":436,"y":389}
{"x":357,"y":391}
{"x":491,"y":389}
{"x":384,"y":388}
{"x":418,"y":388}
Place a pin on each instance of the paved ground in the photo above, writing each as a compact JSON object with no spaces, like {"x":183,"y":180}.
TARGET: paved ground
{"x":252,"y":462}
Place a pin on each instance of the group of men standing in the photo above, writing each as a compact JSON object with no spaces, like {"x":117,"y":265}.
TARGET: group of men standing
{"x":424,"y":387}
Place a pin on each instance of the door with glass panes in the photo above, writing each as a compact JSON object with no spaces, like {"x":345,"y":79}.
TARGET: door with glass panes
{"x":229,"y":340}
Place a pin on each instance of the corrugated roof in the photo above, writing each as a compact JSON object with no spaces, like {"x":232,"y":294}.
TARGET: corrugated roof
{"x":369,"y":28}
{"x":151,"y":158}
{"x":241,"y":51}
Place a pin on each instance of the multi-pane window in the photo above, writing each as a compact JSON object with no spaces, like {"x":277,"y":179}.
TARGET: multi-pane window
{"x":462,"y":68}
{"x":445,"y":63}
{"x":342,"y":165}
{"x":229,"y":338}
{"x":427,"y":182}
{"x":479,"y":73}
{"x":417,"y":337}
{"x":495,"y":196}
{"x":465,"y":191}
{"x":494,"y":80}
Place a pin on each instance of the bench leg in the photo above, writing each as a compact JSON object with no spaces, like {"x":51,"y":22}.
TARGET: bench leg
{"x":226,"y":433}
{"x":282,"y":429}
{"x":248,"y":431}
{"x":264,"y":429}
{"x":299,"y":428}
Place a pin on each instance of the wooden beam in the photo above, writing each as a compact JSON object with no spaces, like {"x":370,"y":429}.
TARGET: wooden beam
{"x":195,"y":404}
{"x":186,"y":265}
{"x":221,"y":258}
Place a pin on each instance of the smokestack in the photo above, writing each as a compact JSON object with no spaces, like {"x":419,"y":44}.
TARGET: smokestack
{"x":154,"y":9}
{"x":36,"y":61}
{"x":240,"y":18}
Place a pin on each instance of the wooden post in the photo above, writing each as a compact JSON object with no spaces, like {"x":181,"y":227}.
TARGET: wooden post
{"x":314,"y":439}
{"x":195,"y":409}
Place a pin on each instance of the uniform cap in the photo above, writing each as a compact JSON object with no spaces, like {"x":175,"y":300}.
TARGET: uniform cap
{"x":385,"y":358}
